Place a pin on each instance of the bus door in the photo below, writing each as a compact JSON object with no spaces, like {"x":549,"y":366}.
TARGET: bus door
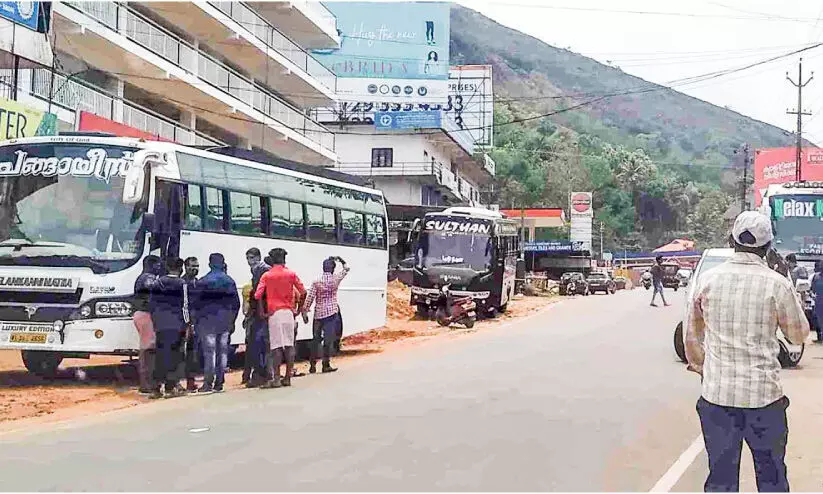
{"x":168,"y":214}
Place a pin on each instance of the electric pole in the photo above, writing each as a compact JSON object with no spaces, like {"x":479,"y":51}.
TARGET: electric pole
{"x":601,"y":240}
{"x":745,"y":182}
{"x":799,"y":112}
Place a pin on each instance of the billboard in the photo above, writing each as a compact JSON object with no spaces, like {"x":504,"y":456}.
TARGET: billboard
{"x":471,"y":102}
{"x":390,"y":51}
{"x":581,"y":204}
{"x":18,"y":121}
{"x":407,"y":120}
{"x":581,"y":212}
{"x":778,"y":165}
{"x":23,"y":13}
{"x":89,"y":122}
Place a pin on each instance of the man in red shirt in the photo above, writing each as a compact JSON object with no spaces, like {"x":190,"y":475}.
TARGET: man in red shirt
{"x":279,"y":285}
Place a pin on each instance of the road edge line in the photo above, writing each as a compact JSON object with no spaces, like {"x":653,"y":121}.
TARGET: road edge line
{"x":676,"y":471}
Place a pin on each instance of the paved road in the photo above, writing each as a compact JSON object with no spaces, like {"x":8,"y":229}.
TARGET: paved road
{"x":585,"y":396}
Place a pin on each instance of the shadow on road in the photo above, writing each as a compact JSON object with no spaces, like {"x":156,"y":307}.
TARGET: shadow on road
{"x":117,"y":376}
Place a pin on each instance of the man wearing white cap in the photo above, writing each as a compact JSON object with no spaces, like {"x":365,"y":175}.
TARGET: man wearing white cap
{"x":731,"y":341}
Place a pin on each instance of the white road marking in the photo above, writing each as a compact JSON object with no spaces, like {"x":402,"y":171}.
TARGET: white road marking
{"x":199,"y":429}
{"x":672,"y":476}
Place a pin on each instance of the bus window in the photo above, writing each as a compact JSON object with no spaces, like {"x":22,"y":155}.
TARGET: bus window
{"x":287,"y":219}
{"x":193,"y":219}
{"x":322,"y":226}
{"x":352,"y":227}
{"x":375,"y":231}
{"x":246,"y":213}
{"x":214,"y":210}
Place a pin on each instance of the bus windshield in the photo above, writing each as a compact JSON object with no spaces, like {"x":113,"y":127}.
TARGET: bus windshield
{"x":454,"y":249}
{"x":61,"y":205}
{"x":797,"y":221}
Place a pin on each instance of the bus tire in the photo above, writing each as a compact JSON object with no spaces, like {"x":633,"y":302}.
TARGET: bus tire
{"x":422,"y":311}
{"x":40,"y":363}
{"x":503,"y":308}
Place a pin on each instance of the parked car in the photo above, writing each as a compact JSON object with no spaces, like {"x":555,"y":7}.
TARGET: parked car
{"x":573,"y":283}
{"x":403,"y":271}
{"x":789,"y":355}
{"x":620,"y":283}
{"x":601,"y":282}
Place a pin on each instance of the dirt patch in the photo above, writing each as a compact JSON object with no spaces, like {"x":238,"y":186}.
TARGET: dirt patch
{"x":105,"y":383}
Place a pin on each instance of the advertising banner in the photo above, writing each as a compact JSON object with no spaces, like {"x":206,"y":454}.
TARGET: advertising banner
{"x":89,"y":122}
{"x":581,"y":204}
{"x":407,"y":120}
{"x":778,"y":165}
{"x":18,"y":121}
{"x":390,"y":52}
{"x":580,"y":227}
{"x":556,"y":246}
{"x":471,"y":98}
{"x":23,"y":13}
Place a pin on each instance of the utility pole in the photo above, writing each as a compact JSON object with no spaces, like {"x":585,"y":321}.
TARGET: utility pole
{"x":601,"y":240}
{"x":799,"y":112}
{"x":745,"y":183}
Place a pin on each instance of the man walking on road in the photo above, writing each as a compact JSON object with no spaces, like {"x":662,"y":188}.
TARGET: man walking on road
{"x":731,"y":341}
{"x":279,"y":285}
{"x":168,"y":304}
{"x":254,"y":371}
{"x":217,"y":307}
{"x":657,"y":281}
{"x":327,"y":321}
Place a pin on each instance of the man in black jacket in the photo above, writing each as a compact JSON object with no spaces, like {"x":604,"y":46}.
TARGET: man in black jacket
{"x":168,"y":305}
{"x":192,"y":360}
{"x":257,"y":329}
{"x":143,"y":287}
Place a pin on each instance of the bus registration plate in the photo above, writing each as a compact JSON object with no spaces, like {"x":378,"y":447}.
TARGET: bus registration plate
{"x":39,"y":338}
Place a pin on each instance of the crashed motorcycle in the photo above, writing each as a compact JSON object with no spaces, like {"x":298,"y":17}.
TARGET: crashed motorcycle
{"x":451,"y":309}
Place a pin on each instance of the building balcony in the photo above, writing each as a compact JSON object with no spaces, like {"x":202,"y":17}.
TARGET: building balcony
{"x":68,"y":97}
{"x":428,"y":173}
{"x":241,"y":35}
{"x":116,"y":39}
{"x":307,"y":22}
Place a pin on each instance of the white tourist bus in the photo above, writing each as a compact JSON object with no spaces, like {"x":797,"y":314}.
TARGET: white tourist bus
{"x":79,"y":213}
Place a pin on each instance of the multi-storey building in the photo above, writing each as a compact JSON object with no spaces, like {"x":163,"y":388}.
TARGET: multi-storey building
{"x":199,"y":73}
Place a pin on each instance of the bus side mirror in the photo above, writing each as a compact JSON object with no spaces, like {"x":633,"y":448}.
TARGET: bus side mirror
{"x":135,"y":181}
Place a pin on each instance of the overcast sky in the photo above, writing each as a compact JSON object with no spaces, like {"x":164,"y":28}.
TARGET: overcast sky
{"x":696,"y":37}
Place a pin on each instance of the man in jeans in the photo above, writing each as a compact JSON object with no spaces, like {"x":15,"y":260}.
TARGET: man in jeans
{"x":254,"y":371}
{"x":217,"y":307}
{"x":192,"y":361}
{"x":657,"y":281}
{"x":327,"y":321}
{"x":731,"y":341}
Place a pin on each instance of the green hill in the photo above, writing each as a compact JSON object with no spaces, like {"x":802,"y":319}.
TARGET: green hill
{"x":662,"y":164}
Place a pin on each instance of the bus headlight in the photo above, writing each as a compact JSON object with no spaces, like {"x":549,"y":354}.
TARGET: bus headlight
{"x":85,"y":311}
{"x":112,"y":309}
{"x":58,"y":325}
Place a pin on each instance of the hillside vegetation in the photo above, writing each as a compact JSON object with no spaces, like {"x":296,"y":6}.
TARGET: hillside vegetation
{"x":661,"y":164}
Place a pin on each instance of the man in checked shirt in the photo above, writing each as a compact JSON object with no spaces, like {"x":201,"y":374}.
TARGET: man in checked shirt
{"x":731,"y":341}
{"x":327,"y":320}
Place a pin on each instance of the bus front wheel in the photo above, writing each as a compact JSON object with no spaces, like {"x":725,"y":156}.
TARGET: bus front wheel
{"x":43,"y":364}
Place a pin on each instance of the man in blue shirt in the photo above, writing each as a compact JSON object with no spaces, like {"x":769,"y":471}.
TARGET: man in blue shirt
{"x":218,"y":304}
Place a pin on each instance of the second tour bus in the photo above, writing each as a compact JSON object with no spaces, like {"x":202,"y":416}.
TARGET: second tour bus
{"x":78,"y":215}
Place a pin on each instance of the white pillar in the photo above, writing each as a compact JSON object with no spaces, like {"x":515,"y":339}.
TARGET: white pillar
{"x":117,"y":87}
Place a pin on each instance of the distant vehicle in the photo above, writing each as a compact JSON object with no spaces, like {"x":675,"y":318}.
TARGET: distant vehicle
{"x":601,"y":282}
{"x":573,"y":283}
{"x":403,"y":271}
{"x":670,"y":278}
{"x":685,"y":275}
{"x":620,"y":283}
{"x":646,"y":279}
{"x":789,"y":355}
{"x":473,"y":250}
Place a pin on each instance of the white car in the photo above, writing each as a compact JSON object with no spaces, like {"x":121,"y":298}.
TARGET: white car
{"x":789,"y":355}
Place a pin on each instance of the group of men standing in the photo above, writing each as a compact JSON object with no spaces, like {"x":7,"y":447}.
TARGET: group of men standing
{"x":182,"y":320}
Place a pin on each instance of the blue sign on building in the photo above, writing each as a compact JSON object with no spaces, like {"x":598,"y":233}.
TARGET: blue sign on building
{"x":23,"y":13}
{"x":390,"y":120}
{"x":553,"y":246}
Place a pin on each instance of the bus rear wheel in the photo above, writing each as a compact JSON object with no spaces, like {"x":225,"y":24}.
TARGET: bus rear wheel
{"x":43,"y":364}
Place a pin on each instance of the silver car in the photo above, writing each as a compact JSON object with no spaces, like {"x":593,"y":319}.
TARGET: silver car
{"x":789,"y":355}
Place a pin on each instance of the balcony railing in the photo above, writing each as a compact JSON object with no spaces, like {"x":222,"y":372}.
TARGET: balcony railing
{"x":77,"y":96}
{"x":328,"y":21}
{"x":277,"y":41}
{"x":443,"y":175}
{"x":163,"y":43}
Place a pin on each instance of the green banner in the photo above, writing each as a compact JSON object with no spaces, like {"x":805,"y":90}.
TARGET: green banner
{"x":18,"y":121}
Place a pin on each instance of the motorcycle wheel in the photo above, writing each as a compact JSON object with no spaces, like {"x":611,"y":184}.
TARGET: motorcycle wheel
{"x":789,"y":359}
{"x":468,"y":322}
{"x":442,"y":317}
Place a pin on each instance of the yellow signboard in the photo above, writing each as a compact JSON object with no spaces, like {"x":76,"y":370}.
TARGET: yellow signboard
{"x":18,"y":121}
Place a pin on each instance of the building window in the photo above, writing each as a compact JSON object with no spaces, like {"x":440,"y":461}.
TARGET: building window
{"x":381,"y":157}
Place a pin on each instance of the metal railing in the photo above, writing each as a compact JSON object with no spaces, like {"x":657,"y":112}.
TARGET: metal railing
{"x":277,"y":41}
{"x":75,"y":96}
{"x":443,"y":175}
{"x":328,"y":21}
{"x":165,"y":44}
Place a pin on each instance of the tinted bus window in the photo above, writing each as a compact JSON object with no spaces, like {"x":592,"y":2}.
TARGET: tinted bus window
{"x":214,"y":210}
{"x":352,"y":224}
{"x":322,"y":225}
{"x":193,"y":219}
{"x":287,"y":219}
{"x":246,"y":213}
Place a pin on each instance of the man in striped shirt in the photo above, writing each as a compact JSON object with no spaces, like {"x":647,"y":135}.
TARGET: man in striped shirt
{"x":731,"y":341}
